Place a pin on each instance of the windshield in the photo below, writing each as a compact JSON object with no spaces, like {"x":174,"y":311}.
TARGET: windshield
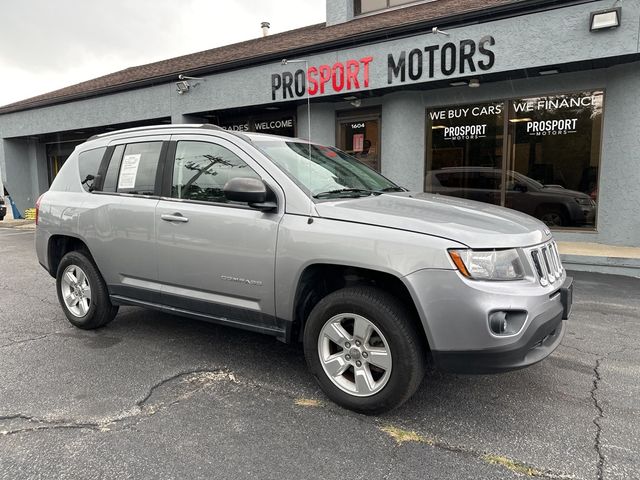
{"x":524,"y":179}
{"x":325,"y":172}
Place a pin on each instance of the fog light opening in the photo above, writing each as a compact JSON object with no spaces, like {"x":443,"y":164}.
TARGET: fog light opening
{"x":507,"y":322}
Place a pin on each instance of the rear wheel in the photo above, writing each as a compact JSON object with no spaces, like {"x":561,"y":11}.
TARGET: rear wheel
{"x":82,"y":292}
{"x":364,"y":349}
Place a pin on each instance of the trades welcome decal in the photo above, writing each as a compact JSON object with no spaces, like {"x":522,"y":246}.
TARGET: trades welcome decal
{"x":465,"y":57}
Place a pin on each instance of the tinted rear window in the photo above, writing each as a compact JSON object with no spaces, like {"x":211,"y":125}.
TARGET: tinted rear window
{"x":88,"y":164}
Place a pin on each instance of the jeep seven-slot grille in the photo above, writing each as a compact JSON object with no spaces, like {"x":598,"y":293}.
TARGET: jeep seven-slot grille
{"x":546,"y":262}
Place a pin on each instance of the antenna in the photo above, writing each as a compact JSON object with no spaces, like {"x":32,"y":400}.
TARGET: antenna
{"x":306,"y":87}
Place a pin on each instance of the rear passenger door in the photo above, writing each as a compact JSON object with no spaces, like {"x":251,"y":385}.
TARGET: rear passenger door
{"x":120,"y":221}
{"x":215,"y":257}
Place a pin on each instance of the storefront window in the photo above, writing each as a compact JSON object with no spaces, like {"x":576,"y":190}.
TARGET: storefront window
{"x":466,"y":152}
{"x":360,"y":136}
{"x":366,"y":6}
{"x":551,"y":162}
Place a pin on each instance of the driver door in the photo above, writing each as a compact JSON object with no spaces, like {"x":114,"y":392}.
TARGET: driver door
{"x":216,"y":258}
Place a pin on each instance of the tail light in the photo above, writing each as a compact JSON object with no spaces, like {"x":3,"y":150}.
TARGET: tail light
{"x":38,"y":207}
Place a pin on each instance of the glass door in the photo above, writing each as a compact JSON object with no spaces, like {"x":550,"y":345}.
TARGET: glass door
{"x":359,"y":135}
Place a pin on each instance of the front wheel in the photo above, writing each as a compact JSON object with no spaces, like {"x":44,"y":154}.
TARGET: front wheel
{"x":365,"y":349}
{"x":552,"y":217}
{"x":82,"y":292}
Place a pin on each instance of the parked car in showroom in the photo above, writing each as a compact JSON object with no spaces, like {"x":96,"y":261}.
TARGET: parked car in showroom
{"x":302,"y":242}
{"x":555,"y":205}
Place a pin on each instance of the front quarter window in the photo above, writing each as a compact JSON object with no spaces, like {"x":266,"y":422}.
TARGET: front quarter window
{"x":201,"y":170}
{"x":325,"y":172}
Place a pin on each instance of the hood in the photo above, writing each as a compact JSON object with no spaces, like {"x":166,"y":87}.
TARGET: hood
{"x":557,"y":189}
{"x":475,"y":224}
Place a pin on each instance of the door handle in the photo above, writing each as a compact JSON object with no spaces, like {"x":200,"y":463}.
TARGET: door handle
{"x":176,"y":217}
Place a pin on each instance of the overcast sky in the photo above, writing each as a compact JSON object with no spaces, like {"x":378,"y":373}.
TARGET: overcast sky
{"x":50,"y":44}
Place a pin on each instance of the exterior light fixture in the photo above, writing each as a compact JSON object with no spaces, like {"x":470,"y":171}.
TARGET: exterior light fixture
{"x":474,"y":83}
{"x":605,"y":19}
{"x":520,"y":120}
{"x":458,"y":84}
{"x":436,"y":30}
{"x":551,"y":71}
{"x":183,"y":85}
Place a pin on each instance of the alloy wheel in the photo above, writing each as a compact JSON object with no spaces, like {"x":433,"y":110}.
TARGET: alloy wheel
{"x":76,"y":291}
{"x":354,"y":354}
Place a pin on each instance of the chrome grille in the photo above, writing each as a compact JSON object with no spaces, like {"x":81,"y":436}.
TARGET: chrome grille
{"x":546,"y":263}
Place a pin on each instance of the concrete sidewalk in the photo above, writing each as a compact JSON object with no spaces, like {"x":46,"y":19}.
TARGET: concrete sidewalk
{"x":21,"y":224}
{"x":598,"y":257}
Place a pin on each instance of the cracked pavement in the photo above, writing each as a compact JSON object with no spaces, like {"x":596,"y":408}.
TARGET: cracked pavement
{"x":157,"y":396}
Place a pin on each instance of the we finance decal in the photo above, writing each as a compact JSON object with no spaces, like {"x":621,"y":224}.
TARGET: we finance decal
{"x":419,"y":64}
{"x":561,"y":114}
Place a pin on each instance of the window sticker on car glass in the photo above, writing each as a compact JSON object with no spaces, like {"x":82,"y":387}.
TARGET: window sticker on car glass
{"x":129,"y":171}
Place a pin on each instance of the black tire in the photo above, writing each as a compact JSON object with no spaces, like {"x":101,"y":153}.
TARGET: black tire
{"x":405,"y":343}
{"x":100,"y":309}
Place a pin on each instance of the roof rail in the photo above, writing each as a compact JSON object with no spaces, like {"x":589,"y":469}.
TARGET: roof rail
{"x":206,"y":126}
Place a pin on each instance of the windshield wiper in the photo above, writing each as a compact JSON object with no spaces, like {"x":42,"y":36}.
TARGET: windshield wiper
{"x":394,"y":189}
{"x":350,"y":192}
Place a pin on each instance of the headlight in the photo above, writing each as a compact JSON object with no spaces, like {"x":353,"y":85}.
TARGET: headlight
{"x":488,"y":264}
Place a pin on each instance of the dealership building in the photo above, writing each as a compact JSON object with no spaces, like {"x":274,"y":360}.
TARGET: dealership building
{"x":529,"y":104}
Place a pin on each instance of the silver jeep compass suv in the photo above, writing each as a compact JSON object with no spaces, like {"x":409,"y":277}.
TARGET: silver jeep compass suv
{"x":302,"y":242}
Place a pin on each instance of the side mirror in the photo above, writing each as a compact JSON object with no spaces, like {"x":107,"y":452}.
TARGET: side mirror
{"x":520,"y":187}
{"x":249,"y":190}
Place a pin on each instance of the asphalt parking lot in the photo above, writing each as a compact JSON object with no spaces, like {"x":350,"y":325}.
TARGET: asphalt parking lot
{"x":157,"y":396}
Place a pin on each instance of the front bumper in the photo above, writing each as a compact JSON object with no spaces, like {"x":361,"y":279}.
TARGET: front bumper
{"x":455,"y":313}
{"x":540,"y":340}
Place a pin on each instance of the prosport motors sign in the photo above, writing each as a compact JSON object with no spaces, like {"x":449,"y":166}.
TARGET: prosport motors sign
{"x":465,"y":132}
{"x":418,"y":64}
